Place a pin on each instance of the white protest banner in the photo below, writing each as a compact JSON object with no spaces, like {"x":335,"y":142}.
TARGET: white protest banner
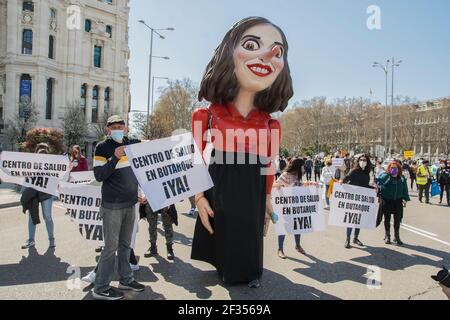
{"x":338,"y":162}
{"x":83,"y":177}
{"x":41,"y":172}
{"x":169,"y":170}
{"x":83,"y":205}
{"x":353,"y":207}
{"x":299,"y":210}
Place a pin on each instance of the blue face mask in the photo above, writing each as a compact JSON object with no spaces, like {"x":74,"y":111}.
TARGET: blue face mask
{"x":117,"y":135}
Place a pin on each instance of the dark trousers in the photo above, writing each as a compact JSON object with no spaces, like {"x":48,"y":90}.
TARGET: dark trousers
{"x":413,"y":181}
{"x":308,"y":174}
{"x":316,"y":176}
{"x":282,"y":238}
{"x":445,"y":188}
{"x":424,"y":189}
{"x":387,"y":223}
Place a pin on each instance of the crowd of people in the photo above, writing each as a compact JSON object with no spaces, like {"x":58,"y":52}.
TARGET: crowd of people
{"x":120,"y":193}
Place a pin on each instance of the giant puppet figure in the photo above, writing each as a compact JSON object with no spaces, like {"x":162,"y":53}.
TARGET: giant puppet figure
{"x":247,"y":79}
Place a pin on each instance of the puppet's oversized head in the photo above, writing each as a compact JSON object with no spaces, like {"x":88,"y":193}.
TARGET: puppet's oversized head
{"x":251,"y":57}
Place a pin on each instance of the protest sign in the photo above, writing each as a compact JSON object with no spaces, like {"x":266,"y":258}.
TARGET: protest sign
{"x":338,"y":162}
{"x":169,"y":170}
{"x":299,"y":210}
{"x":84,"y":177}
{"x":409,"y":154}
{"x":41,"y":172}
{"x":353,"y":207}
{"x":83,"y":205}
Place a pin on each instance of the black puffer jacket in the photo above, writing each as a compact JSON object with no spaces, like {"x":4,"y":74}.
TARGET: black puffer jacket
{"x":30,"y":202}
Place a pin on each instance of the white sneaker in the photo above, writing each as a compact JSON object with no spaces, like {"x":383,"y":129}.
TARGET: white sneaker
{"x":191,"y":212}
{"x":89,"y":278}
{"x":29,"y":244}
{"x":134,"y":267}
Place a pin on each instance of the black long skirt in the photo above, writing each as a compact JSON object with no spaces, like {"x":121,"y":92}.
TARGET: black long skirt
{"x":238,"y":200}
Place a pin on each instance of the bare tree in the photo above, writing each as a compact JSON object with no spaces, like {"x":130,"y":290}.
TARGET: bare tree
{"x":74,"y":126}
{"x":20,"y":124}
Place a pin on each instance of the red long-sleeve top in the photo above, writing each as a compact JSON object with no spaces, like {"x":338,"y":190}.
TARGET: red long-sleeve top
{"x":256,"y":134}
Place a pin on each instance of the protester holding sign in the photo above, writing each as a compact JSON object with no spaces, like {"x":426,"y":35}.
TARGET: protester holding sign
{"x":291,"y":177}
{"x":30,"y":202}
{"x":394,"y":195}
{"x":119,"y":197}
{"x":359,"y":176}
{"x":78,"y":162}
{"x":247,"y":79}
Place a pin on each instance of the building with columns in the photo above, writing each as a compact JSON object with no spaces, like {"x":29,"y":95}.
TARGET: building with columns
{"x":58,"y":53}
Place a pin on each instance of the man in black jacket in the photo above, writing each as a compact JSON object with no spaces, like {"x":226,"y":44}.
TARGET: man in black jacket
{"x":119,"y":197}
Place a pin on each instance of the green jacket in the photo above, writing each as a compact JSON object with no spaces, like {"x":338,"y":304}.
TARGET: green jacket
{"x":393,"y":189}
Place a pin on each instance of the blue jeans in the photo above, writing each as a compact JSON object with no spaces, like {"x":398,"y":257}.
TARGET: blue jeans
{"x":349,"y":233}
{"x":47,"y":213}
{"x":282,"y":238}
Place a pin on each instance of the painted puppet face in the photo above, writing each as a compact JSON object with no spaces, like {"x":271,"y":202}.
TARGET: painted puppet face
{"x":259,"y":58}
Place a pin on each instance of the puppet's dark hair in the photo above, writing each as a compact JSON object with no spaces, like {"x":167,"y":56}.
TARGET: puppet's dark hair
{"x":220,"y":85}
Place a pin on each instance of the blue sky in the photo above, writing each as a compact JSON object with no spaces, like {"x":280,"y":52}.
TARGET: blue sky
{"x":331,"y":48}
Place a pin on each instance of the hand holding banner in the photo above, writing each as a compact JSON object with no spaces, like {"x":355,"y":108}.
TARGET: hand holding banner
{"x":169,"y":170}
{"x":353,"y":207}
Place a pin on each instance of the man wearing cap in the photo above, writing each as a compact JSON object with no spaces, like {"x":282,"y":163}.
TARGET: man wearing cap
{"x":119,"y":197}
{"x":424,"y":179}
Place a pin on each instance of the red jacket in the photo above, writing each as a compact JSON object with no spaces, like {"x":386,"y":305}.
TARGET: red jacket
{"x":226,"y":117}
{"x":82,"y":165}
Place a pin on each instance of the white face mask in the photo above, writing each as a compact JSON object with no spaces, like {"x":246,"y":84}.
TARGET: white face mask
{"x":363,"y":164}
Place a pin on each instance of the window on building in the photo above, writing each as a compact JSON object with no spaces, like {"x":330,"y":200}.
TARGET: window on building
{"x":97,"y":56}
{"x":28,"y":6}
{"x":109,"y":30}
{"x":87,"y":25}
{"x":27,"y":41}
{"x":107,"y":100}
{"x":95,"y":104}
{"x":51,"y":47}
{"x":83,"y":98}
{"x":49,"y":102}
{"x":109,"y":1}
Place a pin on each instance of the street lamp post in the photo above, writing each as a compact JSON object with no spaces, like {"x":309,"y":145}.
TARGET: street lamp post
{"x":385,"y":68}
{"x":153,"y":88}
{"x":394,"y":64}
{"x":152,"y":31}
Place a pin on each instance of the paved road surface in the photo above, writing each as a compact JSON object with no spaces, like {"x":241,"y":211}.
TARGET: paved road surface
{"x":328,"y":271}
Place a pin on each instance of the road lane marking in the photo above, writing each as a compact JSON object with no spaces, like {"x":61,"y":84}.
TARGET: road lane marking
{"x":420,"y":230}
{"x":426,"y":236}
